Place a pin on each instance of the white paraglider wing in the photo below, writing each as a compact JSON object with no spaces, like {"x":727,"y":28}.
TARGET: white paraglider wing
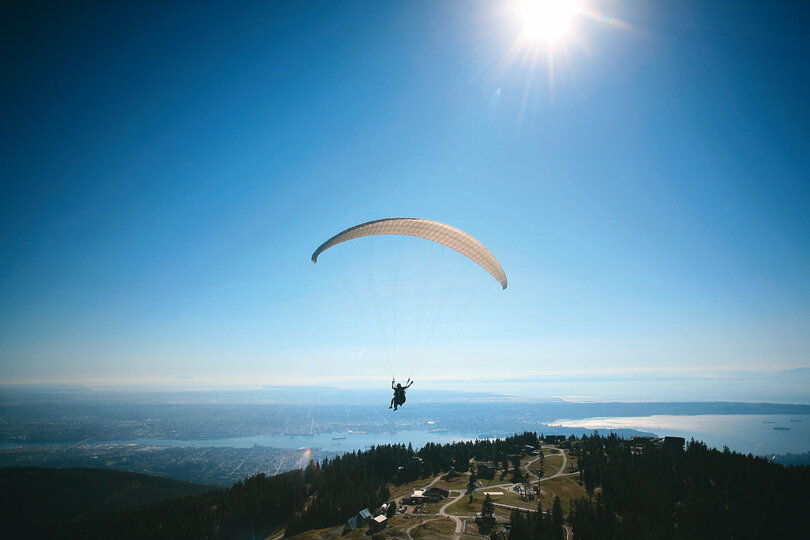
{"x":423,"y":228}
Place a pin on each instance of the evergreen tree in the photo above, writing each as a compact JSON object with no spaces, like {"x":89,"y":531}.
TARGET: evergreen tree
{"x":487,"y":513}
{"x":556,"y":520}
{"x":471,"y":483}
{"x":392,"y":509}
{"x":538,"y":527}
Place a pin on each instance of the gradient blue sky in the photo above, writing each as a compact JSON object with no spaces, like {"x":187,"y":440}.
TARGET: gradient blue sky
{"x":167,"y":172}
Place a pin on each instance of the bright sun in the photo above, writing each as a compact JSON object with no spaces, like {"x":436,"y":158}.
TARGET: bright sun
{"x":548,"y":20}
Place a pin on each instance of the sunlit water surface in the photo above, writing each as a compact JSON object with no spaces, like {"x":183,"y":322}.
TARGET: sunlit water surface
{"x":753,"y":433}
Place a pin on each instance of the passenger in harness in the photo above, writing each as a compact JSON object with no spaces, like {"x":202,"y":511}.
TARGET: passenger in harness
{"x":399,"y":394}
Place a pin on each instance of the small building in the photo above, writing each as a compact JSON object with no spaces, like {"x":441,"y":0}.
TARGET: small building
{"x":674,"y":443}
{"x":417,"y":497}
{"x":437,"y":492}
{"x":486,"y":469}
{"x":554,"y":439}
{"x":377,"y":524}
{"x":355,"y":522}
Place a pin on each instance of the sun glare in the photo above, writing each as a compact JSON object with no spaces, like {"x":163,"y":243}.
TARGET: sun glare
{"x":548,"y":20}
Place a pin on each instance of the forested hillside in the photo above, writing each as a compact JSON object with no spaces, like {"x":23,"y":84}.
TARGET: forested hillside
{"x":39,"y":502}
{"x":663,"y":493}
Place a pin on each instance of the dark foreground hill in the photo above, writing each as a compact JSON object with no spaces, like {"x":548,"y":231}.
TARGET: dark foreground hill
{"x":38,"y":502}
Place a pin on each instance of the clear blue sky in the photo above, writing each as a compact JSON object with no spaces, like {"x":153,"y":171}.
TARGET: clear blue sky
{"x":167,"y":172}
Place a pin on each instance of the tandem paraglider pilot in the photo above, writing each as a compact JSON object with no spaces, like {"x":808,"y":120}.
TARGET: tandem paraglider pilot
{"x":399,"y":393}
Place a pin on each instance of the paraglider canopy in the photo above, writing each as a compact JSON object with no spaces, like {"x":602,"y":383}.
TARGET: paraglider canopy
{"x":440,"y":233}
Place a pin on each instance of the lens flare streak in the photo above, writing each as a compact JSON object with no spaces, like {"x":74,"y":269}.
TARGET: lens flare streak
{"x":547,"y":29}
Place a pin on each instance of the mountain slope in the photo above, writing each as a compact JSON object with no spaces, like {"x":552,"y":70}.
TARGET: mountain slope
{"x":38,"y":500}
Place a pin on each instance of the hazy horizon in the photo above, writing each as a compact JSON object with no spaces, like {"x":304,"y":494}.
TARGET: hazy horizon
{"x":765,"y":386}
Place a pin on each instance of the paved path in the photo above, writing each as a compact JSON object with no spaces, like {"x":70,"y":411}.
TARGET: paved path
{"x":560,"y":472}
{"x":456,"y":519}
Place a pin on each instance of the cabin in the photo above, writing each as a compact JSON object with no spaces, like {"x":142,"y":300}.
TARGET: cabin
{"x":486,"y":469}
{"x":377,"y":524}
{"x":437,"y":492}
{"x":417,"y":497}
{"x":554,"y":439}
{"x":355,"y":522}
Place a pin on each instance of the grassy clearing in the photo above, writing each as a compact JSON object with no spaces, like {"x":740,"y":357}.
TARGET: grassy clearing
{"x":459,"y":482}
{"x":397,"y":520}
{"x":463,"y":507}
{"x":566,"y":488}
{"x":436,"y":528}
{"x":396,"y":528}
{"x":495,"y":481}
{"x":552,"y":465}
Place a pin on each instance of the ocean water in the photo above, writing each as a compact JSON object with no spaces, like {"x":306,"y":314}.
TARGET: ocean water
{"x":753,"y":433}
